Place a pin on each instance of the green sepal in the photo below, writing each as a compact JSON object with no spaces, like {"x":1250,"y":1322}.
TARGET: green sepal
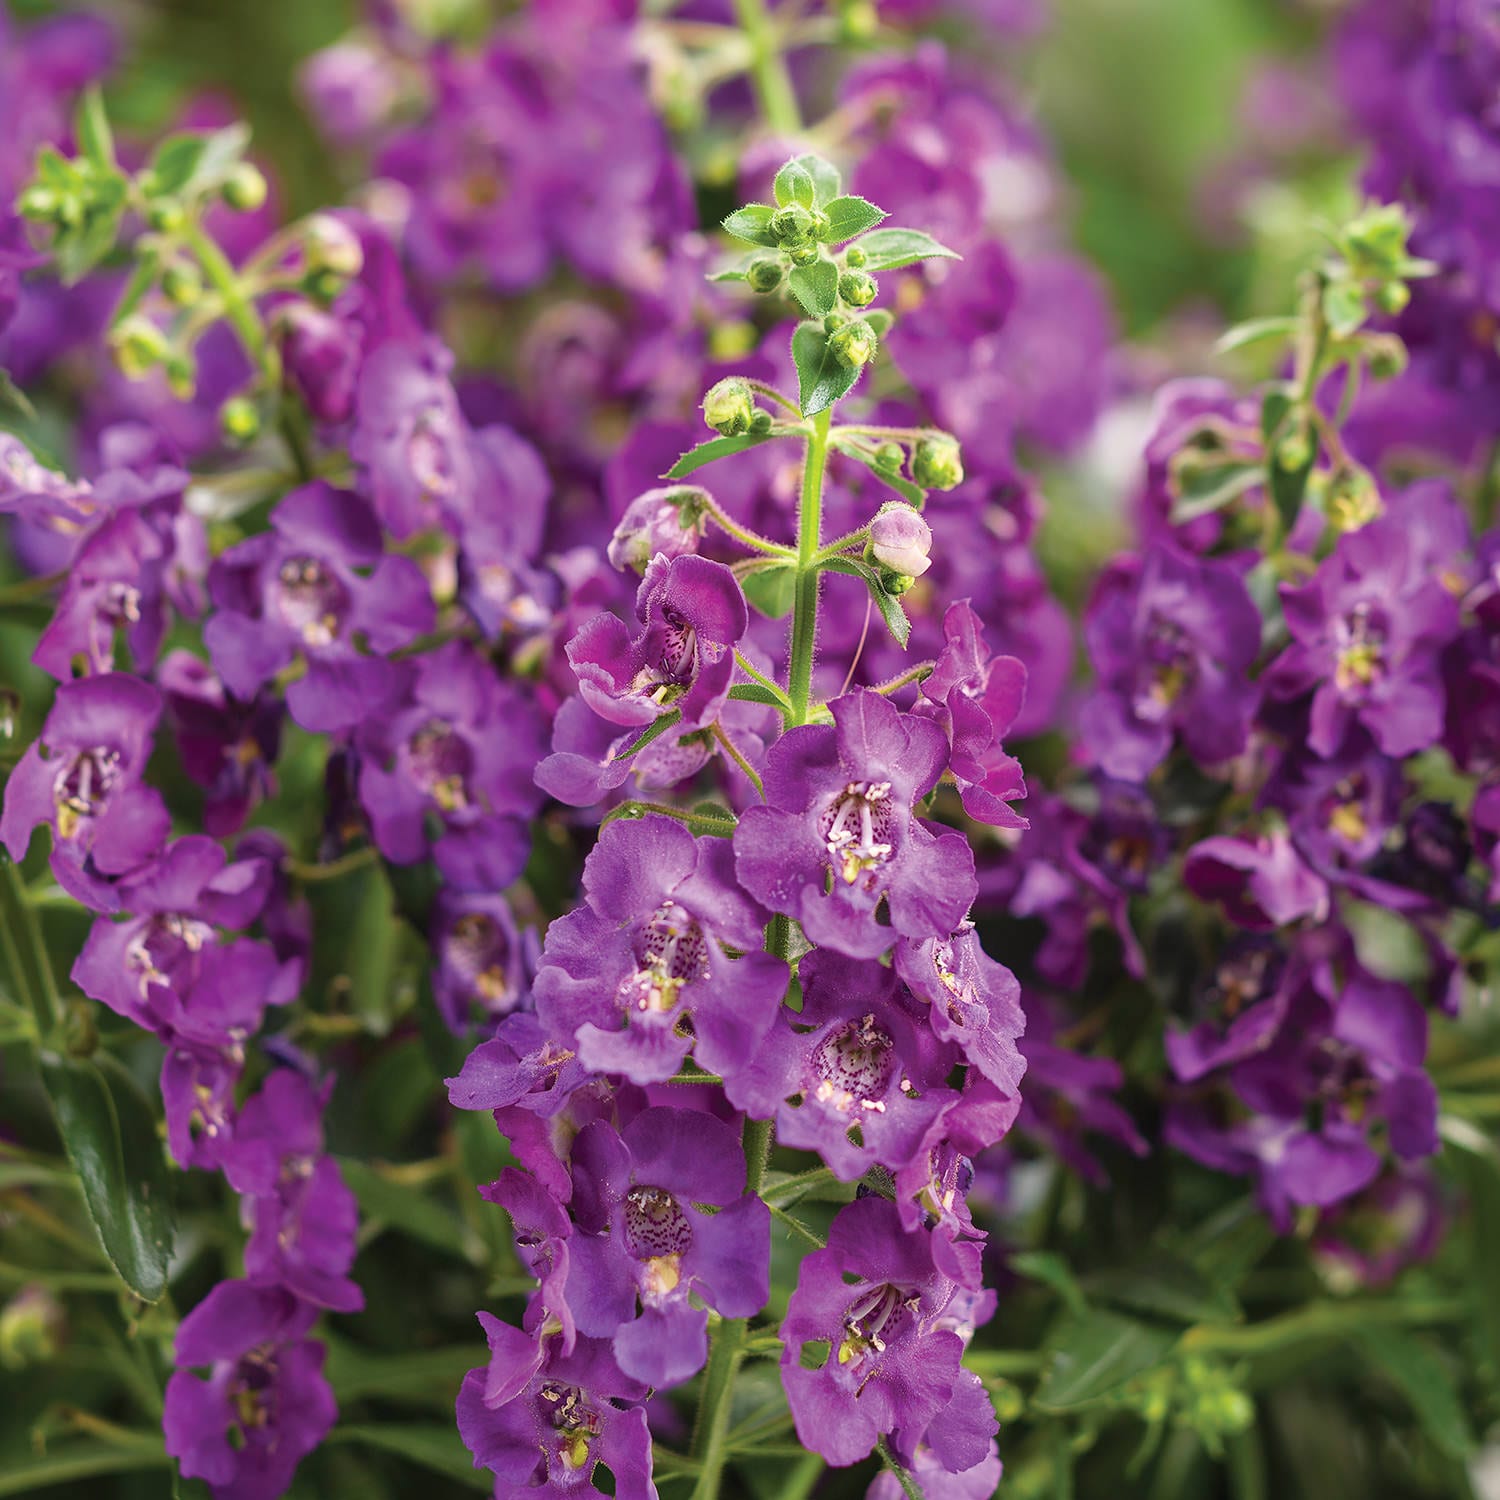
{"x":752,"y":223}
{"x":816,"y":287}
{"x":848,"y":217}
{"x":719,"y":447}
{"x":821,"y":378}
{"x":912,"y":493}
{"x":771,"y":592}
{"x":109,"y":1132}
{"x":888,"y":605}
{"x":890,"y":249}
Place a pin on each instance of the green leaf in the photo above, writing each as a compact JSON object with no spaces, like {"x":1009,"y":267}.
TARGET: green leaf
{"x":373,"y":939}
{"x":109,"y":1131}
{"x":771,"y":591}
{"x":655,"y":731}
{"x":1481,"y":1176}
{"x":89,"y":1459}
{"x":96,"y":142}
{"x":78,"y":251}
{"x":914,"y":494}
{"x":816,"y":287}
{"x":889,"y":249}
{"x":794,"y":184}
{"x":190,"y":1489}
{"x":881,"y":319}
{"x":13,"y":396}
{"x":1416,"y":1370}
{"x":827,"y":184}
{"x":1344,"y":307}
{"x":716,"y":448}
{"x":409,"y":1209}
{"x":730,"y":275}
{"x":1255,"y":331}
{"x":1048,"y":1267}
{"x":850,"y":216}
{"x":195,"y":162}
{"x":1097,"y":1353}
{"x":1165,"y":1287}
{"x":433,"y":1445}
{"x":142,"y":279}
{"x":1214,"y":486}
{"x":888,"y":605}
{"x":752,"y":223}
{"x":821,"y":378}
{"x":1287,"y":486}
{"x":753,"y":692}
{"x":421,"y":1376}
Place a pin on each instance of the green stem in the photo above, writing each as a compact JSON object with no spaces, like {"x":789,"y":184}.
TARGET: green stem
{"x":773,"y":84}
{"x":737,"y":755}
{"x":20,"y":925}
{"x":710,"y":1440}
{"x":909,"y":1486}
{"x":335,"y":868}
{"x":1321,"y":1320}
{"x":805,"y":607}
{"x":754,"y":675}
{"x":743,"y":534}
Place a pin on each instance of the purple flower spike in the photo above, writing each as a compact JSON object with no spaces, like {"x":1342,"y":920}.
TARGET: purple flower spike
{"x":642,"y":1241}
{"x":838,"y":837}
{"x":692,"y":612}
{"x":1367,"y":631}
{"x":461,"y":753}
{"x":872,"y":1300}
{"x":1260,"y":885}
{"x":306,"y":589}
{"x":265,"y":1404}
{"x":570,"y":1417}
{"x":1172,"y":640}
{"x":858,"y":1055}
{"x":975,"y":697}
{"x":639,"y":975}
{"x":82,"y":779}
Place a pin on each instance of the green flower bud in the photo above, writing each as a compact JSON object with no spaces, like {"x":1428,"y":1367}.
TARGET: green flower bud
{"x":937,"y":463}
{"x":854,"y":257}
{"x":182,"y":376}
{"x":761,"y":422}
{"x":165,"y":215}
{"x":854,"y":344}
{"x":820,"y":224}
{"x":32,"y":1326}
{"x":239,"y":420}
{"x":764,"y":275}
{"x":794,"y":222}
{"x":1392,"y":297}
{"x":181,"y":284}
{"x":857,"y":288}
{"x":858,"y":22}
{"x":1387,"y":355}
{"x":37,"y":203}
{"x":804,"y":253}
{"x":245,"y":188}
{"x":833,"y":322}
{"x":896,"y":584}
{"x":729,"y":407}
{"x":1294,"y":451}
{"x":328,"y":244}
{"x":1010,"y":1403}
{"x":139,"y":346}
{"x":890,"y":457}
{"x":323,"y":286}
{"x":1352,"y":500}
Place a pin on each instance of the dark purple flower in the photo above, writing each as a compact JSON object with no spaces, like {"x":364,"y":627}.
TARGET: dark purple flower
{"x":856,"y":1055}
{"x":82,"y":779}
{"x":459,"y":751}
{"x":864,"y":1353}
{"x":1367,"y":631}
{"x":1260,"y":883}
{"x":577,"y":1412}
{"x":692,"y":612}
{"x":838,"y":839}
{"x":976,"y":697}
{"x":1238,"y":1010}
{"x":639,"y":975}
{"x":320,"y":358}
{"x":307,"y":589}
{"x":1172,"y":640}
{"x":482,"y":962}
{"x":642,"y":1243}
{"x":265,"y":1404}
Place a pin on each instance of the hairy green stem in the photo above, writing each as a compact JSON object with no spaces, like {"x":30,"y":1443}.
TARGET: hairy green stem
{"x":909,"y":1486}
{"x":25,"y":950}
{"x":805,"y":607}
{"x":768,"y":70}
{"x":710,"y":1440}
{"x":743,"y":534}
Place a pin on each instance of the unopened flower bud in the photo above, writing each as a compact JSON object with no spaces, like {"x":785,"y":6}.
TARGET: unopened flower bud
{"x":181,"y":284}
{"x":890,"y":457}
{"x":833,"y":322}
{"x":182,"y":375}
{"x":139,"y":346}
{"x":37,"y":203}
{"x":729,"y":407}
{"x":32,"y":1325}
{"x":854,"y":257}
{"x":764,"y":275}
{"x":239,"y":420}
{"x":1352,"y":499}
{"x":328,"y":244}
{"x":803,"y":254}
{"x":794,"y":222}
{"x":760,"y":423}
{"x":857,"y":288}
{"x":165,"y":215}
{"x":664,"y":521}
{"x":820,"y":224}
{"x":1387,"y":356}
{"x":1392,"y":297}
{"x":244,"y":189}
{"x":1294,"y":451}
{"x":900,"y":541}
{"x":854,"y":344}
{"x":937,"y":463}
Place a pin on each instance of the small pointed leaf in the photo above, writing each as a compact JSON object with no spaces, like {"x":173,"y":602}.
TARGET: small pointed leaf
{"x":889,"y":249}
{"x":816,"y":287}
{"x":850,"y":216}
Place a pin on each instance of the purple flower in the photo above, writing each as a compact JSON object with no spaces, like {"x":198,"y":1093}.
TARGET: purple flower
{"x":864,"y":1353}
{"x":82,"y":779}
{"x":265,"y":1404}
{"x":1367,"y":631}
{"x":302,"y":1215}
{"x":638,"y":976}
{"x":975,"y":697}
{"x":1238,"y":1011}
{"x":459,"y":752}
{"x":1260,"y":884}
{"x":838,"y":837}
{"x":1172,"y":640}
{"x":642,"y":1243}
{"x":577,"y":1412}
{"x":856,"y":1055}
{"x":307,"y":589}
{"x":691,"y":612}
{"x":666,"y":521}
{"x":482,"y":962}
